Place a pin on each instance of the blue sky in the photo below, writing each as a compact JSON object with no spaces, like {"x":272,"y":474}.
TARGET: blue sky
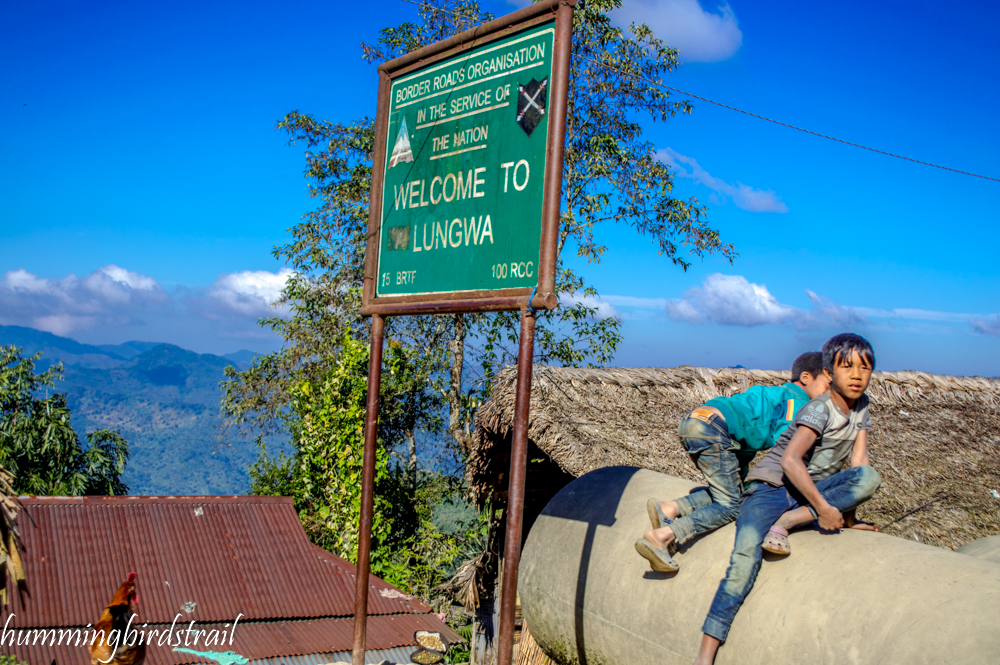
{"x":144,"y":185}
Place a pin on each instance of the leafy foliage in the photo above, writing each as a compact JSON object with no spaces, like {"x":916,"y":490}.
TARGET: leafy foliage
{"x":324,"y":474}
{"x":326,"y":420}
{"x":38,"y":445}
{"x":611,"y":175}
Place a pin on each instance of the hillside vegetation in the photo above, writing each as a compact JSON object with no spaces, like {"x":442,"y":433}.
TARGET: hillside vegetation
{"x":163,"y":399}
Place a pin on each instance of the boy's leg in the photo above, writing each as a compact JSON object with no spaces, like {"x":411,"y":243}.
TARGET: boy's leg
{"x":844,"y":490}
{"x":689,"y":503}
{"x":662,"y":513}
{"x":851,"y":487}
{"x":761,"y":507}
{"x":722,"y":473}
{"x":713,"y":453}
{"x":709,"y":647}
{"x":662,"y":535}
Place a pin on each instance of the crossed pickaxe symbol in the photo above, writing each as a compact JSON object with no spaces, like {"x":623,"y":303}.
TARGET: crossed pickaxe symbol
{"x":531,"y":100}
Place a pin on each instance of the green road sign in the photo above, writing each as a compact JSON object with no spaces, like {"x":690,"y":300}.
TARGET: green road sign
{"x":464,"y":170}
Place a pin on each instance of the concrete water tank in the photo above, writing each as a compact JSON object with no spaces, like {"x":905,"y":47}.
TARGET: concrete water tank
{"x":983,"y":548}
{"x":850,"y":597}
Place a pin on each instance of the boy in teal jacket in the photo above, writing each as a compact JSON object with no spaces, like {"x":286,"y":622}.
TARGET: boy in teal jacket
{"x":722,"y":437}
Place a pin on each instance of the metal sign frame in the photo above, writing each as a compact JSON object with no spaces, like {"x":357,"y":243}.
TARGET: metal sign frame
{"x":490,"y":300}
{"x":525,"y":299}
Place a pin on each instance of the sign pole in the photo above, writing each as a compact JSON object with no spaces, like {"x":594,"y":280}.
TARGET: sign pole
{"x":515,"y":491}
{"x":464,"y":214}
{"x":367,"y":492}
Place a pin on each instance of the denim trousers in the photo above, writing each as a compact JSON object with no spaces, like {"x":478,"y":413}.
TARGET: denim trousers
{"x":714,"y":453}
{"x":762,"y":506}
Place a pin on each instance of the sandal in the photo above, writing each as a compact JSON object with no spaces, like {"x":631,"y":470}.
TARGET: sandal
{"x":776,"y":541}
{"x":659,"y":560}
{"x":656,"y":515}
{"x":659,"y":520}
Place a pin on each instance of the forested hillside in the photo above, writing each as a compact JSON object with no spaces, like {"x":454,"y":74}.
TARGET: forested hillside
{"x":163,"y":399}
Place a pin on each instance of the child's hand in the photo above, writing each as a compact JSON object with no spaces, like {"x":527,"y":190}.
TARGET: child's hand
{"x":830,"y":519}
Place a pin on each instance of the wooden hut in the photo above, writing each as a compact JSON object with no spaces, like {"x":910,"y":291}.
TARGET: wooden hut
{"x":936,"y":439}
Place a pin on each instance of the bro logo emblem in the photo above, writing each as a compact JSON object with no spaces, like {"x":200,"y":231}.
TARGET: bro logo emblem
{"x":531,"y":104}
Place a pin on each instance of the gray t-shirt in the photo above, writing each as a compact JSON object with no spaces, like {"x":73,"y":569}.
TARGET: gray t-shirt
{"x":832,"y":449}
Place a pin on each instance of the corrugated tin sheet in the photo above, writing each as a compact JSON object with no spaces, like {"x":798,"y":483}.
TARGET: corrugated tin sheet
{"x":289,"y":642}
{"x":384,"y":598}
{"x":372,"y":657}
{"x":225,"y":555}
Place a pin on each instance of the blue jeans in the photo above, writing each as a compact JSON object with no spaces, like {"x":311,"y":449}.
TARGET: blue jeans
{"x":714,"y":453}
{"x":762,"y":506}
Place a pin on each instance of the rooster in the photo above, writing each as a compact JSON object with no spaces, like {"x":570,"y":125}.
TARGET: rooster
{"x":116,"y":617}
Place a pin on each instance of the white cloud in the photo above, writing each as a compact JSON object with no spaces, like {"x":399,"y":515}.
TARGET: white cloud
{"x":744,"y":196}
{"x":117,"y":297}
{"x":63,"y":324}
{"x":699,"y":35}
{"x":729,"y":300}
{"x":987,"y":325}
{"x":118,"y":285}
{"x":828,"y":314}
{"x":22,"y":280}
{"x":602,"y":308}
{"x":639,"y":303}
{"x":732,"y":300}
{"x":916,"y":314}
{"x":250,"y":292}
{"x":109,"y":294}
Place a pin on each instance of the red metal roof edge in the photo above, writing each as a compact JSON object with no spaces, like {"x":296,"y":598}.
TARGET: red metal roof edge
{"x":122,"y":528}
{"x":410,"y":603}
{"x":261,"y":640}
{"x":131,"y":500}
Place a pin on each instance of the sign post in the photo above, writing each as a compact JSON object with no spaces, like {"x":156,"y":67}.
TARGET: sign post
{"x":464,"y":216}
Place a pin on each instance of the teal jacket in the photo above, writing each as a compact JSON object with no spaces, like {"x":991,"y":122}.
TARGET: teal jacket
{"x":757,"y":417}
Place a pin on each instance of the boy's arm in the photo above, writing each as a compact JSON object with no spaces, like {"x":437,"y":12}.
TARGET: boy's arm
{"x":859,"y":454}
{"x":793,"y":464}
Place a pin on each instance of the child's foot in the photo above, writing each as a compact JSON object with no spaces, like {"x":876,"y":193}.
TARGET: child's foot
{"x":661,"y":513}
{"x":793,"y":518}
{"x":658,"y":557}
{"x":663,"y":538}
{"x":776,"y":541}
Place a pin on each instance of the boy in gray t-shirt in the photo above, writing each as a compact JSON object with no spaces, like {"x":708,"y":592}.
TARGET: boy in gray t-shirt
{"x":836,"y":432}
{"x":802,"y":479}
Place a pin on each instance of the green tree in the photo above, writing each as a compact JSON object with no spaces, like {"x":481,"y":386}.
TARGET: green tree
{"x":39,"y":446}
{"x":611,"y":176}
{"x":323,"y":475}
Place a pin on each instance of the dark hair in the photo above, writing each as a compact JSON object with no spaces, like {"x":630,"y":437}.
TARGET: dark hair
{"x":811,"y":362}
{"x":843,"y":346}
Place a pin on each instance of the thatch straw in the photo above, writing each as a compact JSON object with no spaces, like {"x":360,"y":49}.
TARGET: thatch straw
{"x":933,"y":435}
{"x":528,"y":651}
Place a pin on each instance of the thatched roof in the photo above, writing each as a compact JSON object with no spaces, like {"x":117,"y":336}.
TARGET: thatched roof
{"x":933,"y":435}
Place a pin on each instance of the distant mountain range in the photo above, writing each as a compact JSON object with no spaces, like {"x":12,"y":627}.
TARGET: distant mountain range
{"x":163,"y":399}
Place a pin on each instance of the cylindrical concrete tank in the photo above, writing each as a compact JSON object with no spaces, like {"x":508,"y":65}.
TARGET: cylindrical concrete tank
{"x":852,"y":597}
{"x":983,"y":548}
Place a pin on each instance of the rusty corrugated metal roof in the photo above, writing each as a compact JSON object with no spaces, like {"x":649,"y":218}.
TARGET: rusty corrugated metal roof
{"x":264,"y":640}
{"x":206,"y":558}
{"x":384,"y":597}
{"x":372,"y":657}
